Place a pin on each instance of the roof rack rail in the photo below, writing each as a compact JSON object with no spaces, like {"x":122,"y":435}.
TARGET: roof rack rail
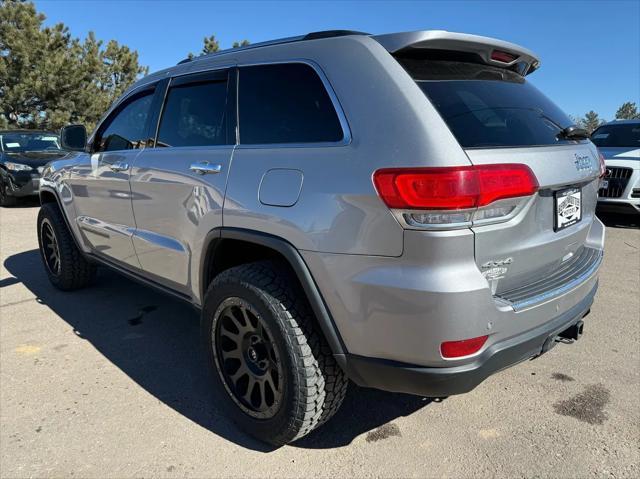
{"x":186,"y":60}
{"x":279,"y":41}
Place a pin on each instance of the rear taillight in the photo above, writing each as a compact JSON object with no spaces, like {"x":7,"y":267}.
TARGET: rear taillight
{"x":465,"y":347}
{"x":454,"y":196}
{"x":603,"y":166}
{"x":453,"y":188}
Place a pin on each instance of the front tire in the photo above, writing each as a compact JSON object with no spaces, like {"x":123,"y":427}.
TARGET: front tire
{"x":65,"y":265}
{"x":276,"y":374}
{"x":5,"y":199}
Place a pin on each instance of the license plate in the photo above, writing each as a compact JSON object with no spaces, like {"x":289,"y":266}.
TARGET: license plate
{"x":568,"y":208}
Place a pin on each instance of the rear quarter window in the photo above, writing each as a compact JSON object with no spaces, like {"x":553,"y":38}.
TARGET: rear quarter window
{"x":285,"y":103}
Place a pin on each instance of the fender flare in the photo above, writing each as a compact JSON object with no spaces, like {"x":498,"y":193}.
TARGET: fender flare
{"x":64,"y":215}
{"x":300,"y":268}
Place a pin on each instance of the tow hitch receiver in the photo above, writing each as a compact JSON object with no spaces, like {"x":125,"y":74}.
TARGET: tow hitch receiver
{"x":573,"y":332}
{"x":569,"y":335}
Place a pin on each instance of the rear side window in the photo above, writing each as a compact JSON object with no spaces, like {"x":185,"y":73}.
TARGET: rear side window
{"x":623,"y":135}
{"x":127,"y":127}
{"x":489,"y":107}
{"x":195,"y":114}
{"x":285,"y":103}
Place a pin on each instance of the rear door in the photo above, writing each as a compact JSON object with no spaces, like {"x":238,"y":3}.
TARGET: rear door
{"x":100,"y":184}
{"x":178,"y":185}
{"x":498,"y":117}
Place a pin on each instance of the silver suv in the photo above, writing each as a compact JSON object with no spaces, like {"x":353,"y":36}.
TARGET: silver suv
{"x":405,"y":211}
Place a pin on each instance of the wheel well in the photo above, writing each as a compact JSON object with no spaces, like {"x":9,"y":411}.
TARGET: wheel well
{"x":47,"y":197}
{"x":226,"y":253}
{"x":231,"y":247}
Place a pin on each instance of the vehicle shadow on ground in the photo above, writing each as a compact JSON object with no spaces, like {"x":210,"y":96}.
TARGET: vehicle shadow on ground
{"x":154,"y":339}
{"x":619,"y":220}
{"x":26,"y":202}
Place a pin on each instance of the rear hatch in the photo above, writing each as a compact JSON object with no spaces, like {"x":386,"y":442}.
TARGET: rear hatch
{"x":498,"y":117}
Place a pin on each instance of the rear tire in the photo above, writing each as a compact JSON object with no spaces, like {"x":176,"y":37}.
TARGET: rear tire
{"x":65,"y":265}
{"x":5,"y":199}
{"x":306,"y":385}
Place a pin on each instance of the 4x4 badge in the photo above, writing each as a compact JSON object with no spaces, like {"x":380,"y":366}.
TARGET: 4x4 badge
{"x":582,"y":162}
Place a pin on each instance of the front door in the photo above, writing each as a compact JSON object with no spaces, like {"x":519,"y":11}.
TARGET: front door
{"x":100,"y":185}
{"x":178,"y":186}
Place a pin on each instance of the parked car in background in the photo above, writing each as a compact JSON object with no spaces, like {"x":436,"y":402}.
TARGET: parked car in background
{"x":406,"y":211}
{"x":23,"y":154}
{"x":619,"y":144}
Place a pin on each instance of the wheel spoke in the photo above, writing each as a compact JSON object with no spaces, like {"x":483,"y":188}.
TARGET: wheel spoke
{"x":242,"y":370}
{"x":263,"y":397}
{"x":269,"y":379}
{"x":238,"y":324}
{"x":247,"y":320}
{"x":251,"y":385}
{"x":233,"y":354}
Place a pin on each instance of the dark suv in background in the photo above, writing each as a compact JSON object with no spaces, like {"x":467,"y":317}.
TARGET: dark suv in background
{"x":23,"y":154}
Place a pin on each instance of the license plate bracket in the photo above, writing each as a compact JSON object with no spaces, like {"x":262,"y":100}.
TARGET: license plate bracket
{"x":568,"y":208}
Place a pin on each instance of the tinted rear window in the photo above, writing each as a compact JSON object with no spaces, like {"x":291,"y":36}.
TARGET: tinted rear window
{"x":195,"y":115}
{"x":488,"y":107}
{"x":285,"y":103}
{"x":623,"y":135}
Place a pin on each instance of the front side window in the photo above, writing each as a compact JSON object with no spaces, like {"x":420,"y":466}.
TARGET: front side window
{"x":195,"y":114}
{"x":285,"y":103}
{"x":127,"y":127}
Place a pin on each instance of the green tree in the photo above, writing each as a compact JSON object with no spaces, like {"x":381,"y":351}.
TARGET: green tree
{"x":590,"y":121}
{"x":49,"y":79}
{"x":628,"y":111}
{"x":211,"y":45}
{"x":242,"y":43}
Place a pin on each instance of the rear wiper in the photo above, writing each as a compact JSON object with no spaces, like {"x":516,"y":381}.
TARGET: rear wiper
{"x":574,"y":132}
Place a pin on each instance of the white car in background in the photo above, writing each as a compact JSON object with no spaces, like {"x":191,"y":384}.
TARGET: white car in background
{"x":619,"y":143}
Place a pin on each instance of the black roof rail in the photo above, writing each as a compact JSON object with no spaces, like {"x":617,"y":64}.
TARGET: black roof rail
{"x":279,"y":41}
{"x":186,"y":60}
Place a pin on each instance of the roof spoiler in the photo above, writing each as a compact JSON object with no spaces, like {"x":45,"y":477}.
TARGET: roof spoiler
{"x":492,"y":51}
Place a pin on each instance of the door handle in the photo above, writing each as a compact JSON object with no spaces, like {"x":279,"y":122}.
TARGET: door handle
{"x":119,"y":166}
{"x":205,"y":168}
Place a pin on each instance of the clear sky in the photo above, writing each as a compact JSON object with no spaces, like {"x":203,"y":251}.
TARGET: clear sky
{"x":590,"y":50}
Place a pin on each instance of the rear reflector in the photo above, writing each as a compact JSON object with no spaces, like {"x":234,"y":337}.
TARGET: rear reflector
{"x":465,"y":347}
{"x":453,"y":188}
{"x":503,"y":57}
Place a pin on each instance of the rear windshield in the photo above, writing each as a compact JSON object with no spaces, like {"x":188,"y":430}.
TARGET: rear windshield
{"x":623,"y":135}
{"x":489,"y":107}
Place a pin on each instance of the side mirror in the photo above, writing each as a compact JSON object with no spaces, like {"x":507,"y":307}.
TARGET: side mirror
{"x":73,"y":137}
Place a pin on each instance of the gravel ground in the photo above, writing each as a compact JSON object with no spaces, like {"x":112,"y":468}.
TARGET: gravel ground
{"x":108,"y":382}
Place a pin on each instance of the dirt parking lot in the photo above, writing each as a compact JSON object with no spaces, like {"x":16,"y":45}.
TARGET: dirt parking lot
{"x":109,"y":382}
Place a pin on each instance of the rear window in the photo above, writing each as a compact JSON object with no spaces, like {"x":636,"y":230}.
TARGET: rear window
{"x":489,"y":107}
{"x":623,"y":135}
{"x":285,"y":103}
{"x":195,"y":115}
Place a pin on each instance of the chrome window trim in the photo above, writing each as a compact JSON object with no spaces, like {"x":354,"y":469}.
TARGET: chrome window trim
{"x":342,"y":119}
